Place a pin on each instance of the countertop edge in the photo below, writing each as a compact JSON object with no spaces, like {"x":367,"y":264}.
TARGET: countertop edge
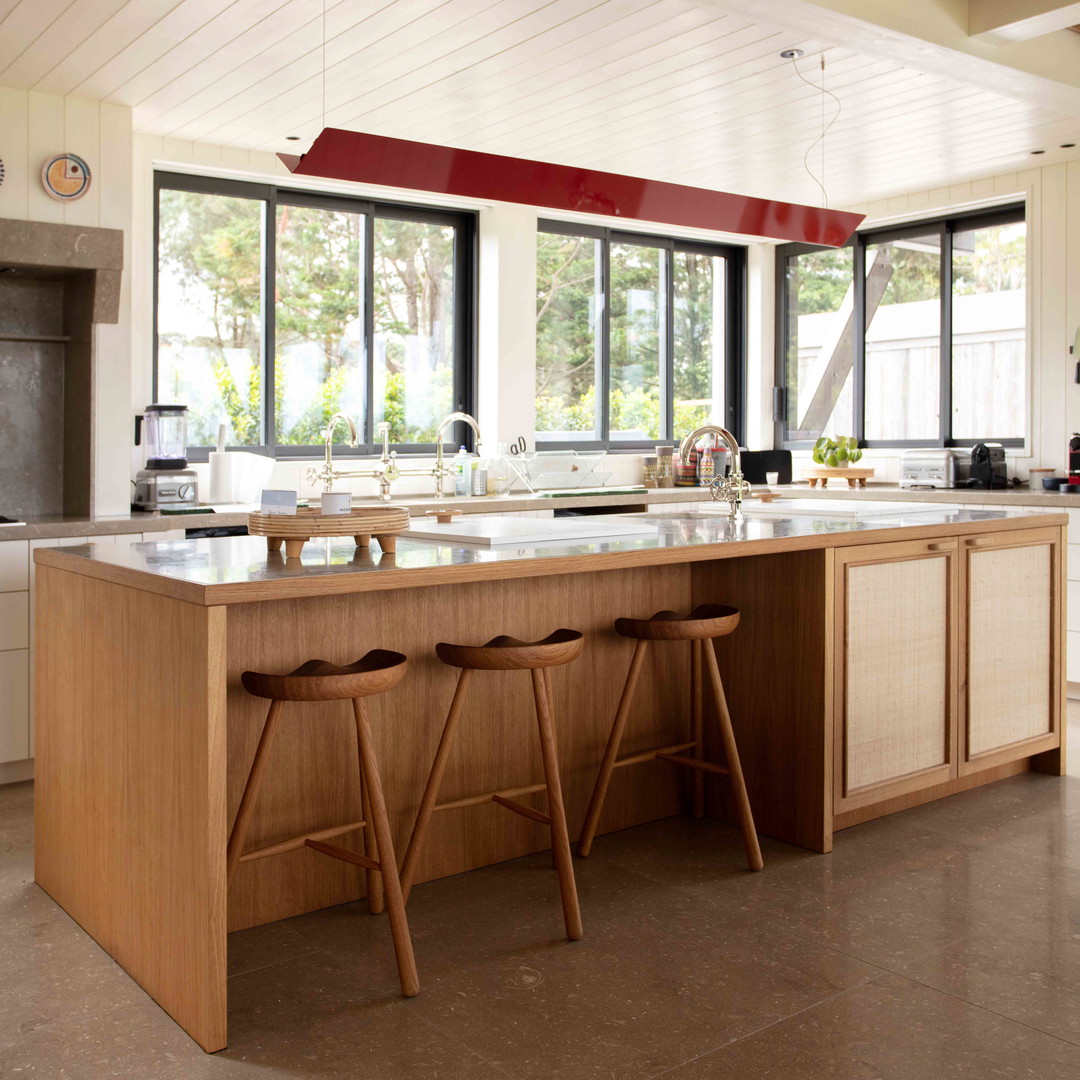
{"x":392,"y":579}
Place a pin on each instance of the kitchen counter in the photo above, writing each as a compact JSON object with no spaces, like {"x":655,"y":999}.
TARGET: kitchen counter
{"x":878,"y":663}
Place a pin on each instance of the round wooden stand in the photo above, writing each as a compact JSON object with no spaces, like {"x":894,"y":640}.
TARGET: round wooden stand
{"x":384,"y":523}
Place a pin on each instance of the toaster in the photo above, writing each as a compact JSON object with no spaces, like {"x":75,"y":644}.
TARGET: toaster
{"x":928,"y":468}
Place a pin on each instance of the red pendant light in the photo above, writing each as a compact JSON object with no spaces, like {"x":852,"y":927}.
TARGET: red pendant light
{"x":398,"y":163}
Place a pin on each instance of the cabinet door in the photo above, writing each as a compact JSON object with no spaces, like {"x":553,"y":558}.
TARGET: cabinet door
{"x":1011,"y":639}
{"x":895,"y":673}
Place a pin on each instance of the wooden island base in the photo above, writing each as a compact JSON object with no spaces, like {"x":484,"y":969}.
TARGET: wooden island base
{"x":145,"y":736}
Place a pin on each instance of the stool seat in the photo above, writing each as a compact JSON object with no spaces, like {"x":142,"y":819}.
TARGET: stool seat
{"x":705,"y":621}
{"x":319,"y":680}
{"x":509,"y":654}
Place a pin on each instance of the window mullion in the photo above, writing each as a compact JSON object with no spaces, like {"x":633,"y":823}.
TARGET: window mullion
{"x":667,"y":376}
{"x":368,"y":419}
{"x":269,"y":320}
{"x":945,"y":352}
{"x":604,"y":388}
{"x":858,"y":330}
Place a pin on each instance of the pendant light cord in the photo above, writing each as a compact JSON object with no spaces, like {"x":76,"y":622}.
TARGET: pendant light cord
{"x":825,"y":127}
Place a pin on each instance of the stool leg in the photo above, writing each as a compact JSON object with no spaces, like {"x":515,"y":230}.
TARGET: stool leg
{"x":373,"y":878}
{"x":399,"y":924}
{"x":251,"y":790}
{"x":731,"y":752}
{"x":698,"y":732}
{"x":560,"y":837}
{"x":611,"y":751}
{"x":431,"y":791}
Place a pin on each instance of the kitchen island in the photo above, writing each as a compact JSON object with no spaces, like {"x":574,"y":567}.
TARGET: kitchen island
{"x":879,"y":663}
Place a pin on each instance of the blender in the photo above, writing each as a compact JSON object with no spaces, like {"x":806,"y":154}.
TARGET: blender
{"x":166,"y":481}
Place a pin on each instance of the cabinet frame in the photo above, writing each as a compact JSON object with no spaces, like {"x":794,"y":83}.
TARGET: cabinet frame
{"x":875,"y":554}
{"x":1055,"y":537}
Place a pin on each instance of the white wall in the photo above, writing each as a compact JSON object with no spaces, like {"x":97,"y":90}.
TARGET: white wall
{"x":34,"y":127}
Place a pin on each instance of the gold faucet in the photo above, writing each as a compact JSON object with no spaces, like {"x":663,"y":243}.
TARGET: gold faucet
{"x":731,"y":488}
{"x":441,"y":471}
{"x":385,"y":472}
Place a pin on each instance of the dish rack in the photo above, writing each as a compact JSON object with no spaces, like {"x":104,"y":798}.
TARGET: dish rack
{"x":559,"y":470}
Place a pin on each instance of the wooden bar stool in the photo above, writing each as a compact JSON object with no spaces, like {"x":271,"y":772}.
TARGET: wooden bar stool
{"x":699,"y":628}
{"x":318,"y":680}
{"x":509,"y":654}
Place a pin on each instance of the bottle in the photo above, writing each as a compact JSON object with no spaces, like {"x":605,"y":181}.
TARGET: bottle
{"x":706,"y":464}
{"x":479,"y":476}
{"x":499,"y":473}
{"x":461,"y":472}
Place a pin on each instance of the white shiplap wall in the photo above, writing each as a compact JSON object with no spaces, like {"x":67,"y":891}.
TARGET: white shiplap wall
{"x":33,"y":127}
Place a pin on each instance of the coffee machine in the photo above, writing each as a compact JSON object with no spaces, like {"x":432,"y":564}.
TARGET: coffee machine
{"x":985,"y":469}
{"x":166,"y":482}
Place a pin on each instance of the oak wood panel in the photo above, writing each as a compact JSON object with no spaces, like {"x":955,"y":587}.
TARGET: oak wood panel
{"x":311,"y":782}
{"x":896,"y":673}
{"x":922,"y":795}
{"x":1012,"y":599}
{"x":130,"y":787}
{"x":775,"y":673}
{"x":389,"y":576}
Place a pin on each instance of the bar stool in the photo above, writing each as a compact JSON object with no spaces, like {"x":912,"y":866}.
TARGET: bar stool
{"x":319,"y":680}
{"x":509,"y":654}
{"x":699,"y":628}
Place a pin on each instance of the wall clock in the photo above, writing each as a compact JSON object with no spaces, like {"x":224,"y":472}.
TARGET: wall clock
{"x":65,"y":177}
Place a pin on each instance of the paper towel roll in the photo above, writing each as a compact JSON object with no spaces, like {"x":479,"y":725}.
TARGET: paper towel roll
{"x":237,"y":476}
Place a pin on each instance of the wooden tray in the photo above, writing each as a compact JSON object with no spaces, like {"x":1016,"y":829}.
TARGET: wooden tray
{"x":294,"y":530}
{"x":822,"y":473}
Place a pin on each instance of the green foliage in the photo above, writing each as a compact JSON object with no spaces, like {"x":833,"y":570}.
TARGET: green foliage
{"x":214,"y":244}
{"x":837,"y":451}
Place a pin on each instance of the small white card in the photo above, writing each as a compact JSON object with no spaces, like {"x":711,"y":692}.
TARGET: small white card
{"x":279,"y":502}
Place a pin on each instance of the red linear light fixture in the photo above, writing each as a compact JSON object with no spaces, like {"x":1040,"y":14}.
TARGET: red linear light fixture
{"x":375,"y":159}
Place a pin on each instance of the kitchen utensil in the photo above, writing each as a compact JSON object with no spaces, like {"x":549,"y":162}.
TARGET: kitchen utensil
{"x":383,"y":522}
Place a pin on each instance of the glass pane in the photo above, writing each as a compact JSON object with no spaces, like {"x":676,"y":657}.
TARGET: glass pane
{"x":414,"y":327}
{"x":319,"y":339}
{"x":988,"y":333}
{"x":637,"y":344}
{"x":569,"y":301}
{"x":699,"y":340}
{"x":210,"y":255}
{"x":820,"y":344}
{"x":903,"y":339}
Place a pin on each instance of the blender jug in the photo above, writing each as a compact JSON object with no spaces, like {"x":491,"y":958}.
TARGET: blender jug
{"x":166,"y":436}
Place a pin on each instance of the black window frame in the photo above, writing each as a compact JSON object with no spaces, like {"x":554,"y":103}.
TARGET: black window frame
{"x":947,"y":226}
{"x":734,"y":330}
{"x":465,"y":304}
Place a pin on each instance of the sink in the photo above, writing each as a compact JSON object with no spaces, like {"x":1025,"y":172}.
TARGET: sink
{"x":496,"y":531}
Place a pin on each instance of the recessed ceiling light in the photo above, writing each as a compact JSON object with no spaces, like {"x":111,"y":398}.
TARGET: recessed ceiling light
{"x":792,"y":54}
{"x":1038,"y":151}
{"x":293,"y":138}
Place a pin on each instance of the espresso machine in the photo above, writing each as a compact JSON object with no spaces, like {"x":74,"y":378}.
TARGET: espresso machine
{"x":166,"y":482}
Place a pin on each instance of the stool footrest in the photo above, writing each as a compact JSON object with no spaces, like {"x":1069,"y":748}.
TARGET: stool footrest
{"x":695,"y":763}
{"x":344,"y":854}
{"x":478,"y":800}
{"x":522,"y":809}
{"x":651,"y":755}
{"x":299,"y":841}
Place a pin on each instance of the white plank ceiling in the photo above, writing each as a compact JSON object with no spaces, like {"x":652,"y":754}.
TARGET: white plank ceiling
{"x":672,"y":89}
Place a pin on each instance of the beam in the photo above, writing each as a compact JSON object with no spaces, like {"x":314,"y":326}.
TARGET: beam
{"x":1003,"y":21}
{"x":398,"y":163}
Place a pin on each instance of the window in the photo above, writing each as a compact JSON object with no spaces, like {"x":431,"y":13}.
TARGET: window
{"x":276,"y":309}
{"x":907,"y":337}
{"x":638,"y":338}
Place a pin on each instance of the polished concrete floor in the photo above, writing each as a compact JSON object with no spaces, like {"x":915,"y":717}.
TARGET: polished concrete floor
{"x":940,"y":943}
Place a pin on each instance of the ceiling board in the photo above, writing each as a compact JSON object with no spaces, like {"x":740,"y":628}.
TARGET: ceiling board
{"x":691,"y":91}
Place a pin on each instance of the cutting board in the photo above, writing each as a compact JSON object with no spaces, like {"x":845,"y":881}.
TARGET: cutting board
{"x":499,"y":531}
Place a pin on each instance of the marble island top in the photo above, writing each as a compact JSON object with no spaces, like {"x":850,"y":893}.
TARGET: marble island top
{"x":240,"y":569}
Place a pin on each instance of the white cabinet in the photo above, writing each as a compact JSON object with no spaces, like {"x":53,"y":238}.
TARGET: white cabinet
{"x":13,"y":569}
{"x":14,"y":705}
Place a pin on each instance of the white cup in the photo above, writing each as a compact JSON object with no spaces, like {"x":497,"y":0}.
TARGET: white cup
{"x":336,"y":503}
{"x":772,"y":478}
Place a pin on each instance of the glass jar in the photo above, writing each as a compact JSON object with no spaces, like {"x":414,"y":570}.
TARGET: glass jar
{"x":648,"y":472}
